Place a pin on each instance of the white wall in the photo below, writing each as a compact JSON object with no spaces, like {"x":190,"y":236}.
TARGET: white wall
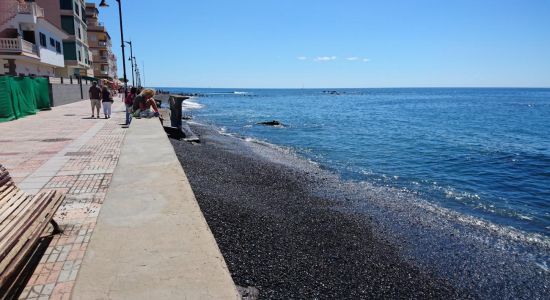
{"x":48,"y":54}
{"x":27,"y":68}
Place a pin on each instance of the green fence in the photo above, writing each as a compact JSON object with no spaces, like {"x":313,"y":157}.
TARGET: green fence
{"x":22,"y":96}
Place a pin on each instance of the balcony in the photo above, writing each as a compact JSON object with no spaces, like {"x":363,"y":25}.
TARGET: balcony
{"x":105,"y":43}
{"x":17,"y":45}
{"x":99,"y":59}
{"x":99,"y":44}
{"x":16,"y":8}
{"x":96,"y":26}
{"x":32,"y":9}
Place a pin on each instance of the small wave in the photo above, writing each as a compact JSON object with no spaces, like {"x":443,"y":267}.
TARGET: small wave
{"x":190,"y":105}
{"x":543,"y":266}
{"x":501,"y":230}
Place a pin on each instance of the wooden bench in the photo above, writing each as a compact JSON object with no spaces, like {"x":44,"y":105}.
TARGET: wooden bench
{"x":23,"y":220}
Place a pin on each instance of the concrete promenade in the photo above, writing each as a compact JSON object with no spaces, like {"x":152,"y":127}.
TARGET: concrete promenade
{"x":151,"y":239}
{"x":64,"y":149}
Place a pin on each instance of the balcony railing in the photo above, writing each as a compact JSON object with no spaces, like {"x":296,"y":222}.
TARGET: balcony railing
{"x":31,"y":8}
{"x":17,"y":45}
{"x":10,"y":10}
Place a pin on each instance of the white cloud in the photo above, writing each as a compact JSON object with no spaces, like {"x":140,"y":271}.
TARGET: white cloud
{"x":353,"y":58}
{"x":366,"y":59}
{"x":302,"y":57}
{"x":325,"y":58}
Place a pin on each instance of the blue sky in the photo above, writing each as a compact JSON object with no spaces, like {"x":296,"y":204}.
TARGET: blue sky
{"x":359,"y":43}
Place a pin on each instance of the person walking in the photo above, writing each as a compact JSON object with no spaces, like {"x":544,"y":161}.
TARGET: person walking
{"x":107,"y":101}
{"x":95,"y":98}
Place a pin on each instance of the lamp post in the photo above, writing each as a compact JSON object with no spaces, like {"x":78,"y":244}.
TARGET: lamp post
{"x":138,"y":75}
{"x":138,"y":82}
{"x":103,"y":3}
{"x":131,"y":62}
{"x":134,"y":67}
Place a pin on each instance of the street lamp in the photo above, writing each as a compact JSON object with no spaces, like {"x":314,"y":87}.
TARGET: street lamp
{"x":103,"y":3}
{"x":138,"y":75}
{"x":131,"y":59}
{"x":131,"y":62}
{"x":135,"y":70}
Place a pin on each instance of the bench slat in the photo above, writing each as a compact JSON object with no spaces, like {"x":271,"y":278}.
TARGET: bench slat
{"x":5,"y":178}
{"x":12,"y":204}
{"x":4,"y":188}
{"x":23,"y":220}
{"x":19,"y":236}
{"x":13,"y":236}
{"x":7,"y":194}
{"x":27,"y":243}
{"x":16,"y":198}
{"x":20,"y":213}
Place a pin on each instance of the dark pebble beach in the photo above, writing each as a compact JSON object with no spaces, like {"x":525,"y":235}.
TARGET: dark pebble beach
{"x":282,"y":238}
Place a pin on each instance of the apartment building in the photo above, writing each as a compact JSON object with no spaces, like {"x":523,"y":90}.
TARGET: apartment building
{"x":29,"y":43}
{"x":70,"y":15}
{"x":104,"y":61}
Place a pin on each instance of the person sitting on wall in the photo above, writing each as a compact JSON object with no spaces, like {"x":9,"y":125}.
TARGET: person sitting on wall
{"x":143,"y":104}
{"x":95,"y":98}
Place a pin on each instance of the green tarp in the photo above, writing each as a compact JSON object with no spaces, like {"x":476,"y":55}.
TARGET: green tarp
{"x":22,"y":96}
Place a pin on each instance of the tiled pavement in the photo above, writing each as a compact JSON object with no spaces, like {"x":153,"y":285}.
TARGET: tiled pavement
{"x":64,"y":149}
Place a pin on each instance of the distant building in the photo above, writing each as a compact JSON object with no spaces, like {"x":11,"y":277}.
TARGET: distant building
{"x":29,"y":43}
{"x":70,"y":15}
{"x":99,"y":40}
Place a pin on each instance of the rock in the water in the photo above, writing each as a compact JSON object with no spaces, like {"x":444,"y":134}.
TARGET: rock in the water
{"x":271,"y":123}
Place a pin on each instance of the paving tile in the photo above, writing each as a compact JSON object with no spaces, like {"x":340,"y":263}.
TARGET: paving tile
{"x":48,"y":289}
{"x":81,"y":166}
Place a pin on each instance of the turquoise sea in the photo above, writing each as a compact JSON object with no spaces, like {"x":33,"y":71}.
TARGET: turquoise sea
{"x":481,"y":152}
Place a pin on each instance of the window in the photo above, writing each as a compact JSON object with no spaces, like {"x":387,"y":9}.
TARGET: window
{"x":76,"y":9}
{"x":43,"y":40}
{"x":69,"y":49}
{"x":68,"y":24}
{"x":52,"y":42}
{"x":83,"y":13}
{"x":79,"y":56}
{"x":66,"y":4}
{"x":58,"y":47}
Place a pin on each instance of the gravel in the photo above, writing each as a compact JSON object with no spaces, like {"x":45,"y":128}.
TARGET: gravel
{"x":280,"y":236}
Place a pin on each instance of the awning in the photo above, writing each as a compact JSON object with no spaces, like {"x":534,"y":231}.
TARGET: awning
{"x":91,"y":78}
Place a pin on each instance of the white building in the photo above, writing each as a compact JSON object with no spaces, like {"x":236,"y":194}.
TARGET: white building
{"x":29,"y":44}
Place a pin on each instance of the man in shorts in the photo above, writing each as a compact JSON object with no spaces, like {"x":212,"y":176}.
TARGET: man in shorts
{"x":95,"y":98}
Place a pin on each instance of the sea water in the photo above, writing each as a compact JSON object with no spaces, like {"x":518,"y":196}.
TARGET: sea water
{"x":480,"y":152}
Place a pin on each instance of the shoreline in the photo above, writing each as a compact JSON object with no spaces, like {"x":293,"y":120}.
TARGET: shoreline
{"x":344,"y":239}
{"x":278,"y":237}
